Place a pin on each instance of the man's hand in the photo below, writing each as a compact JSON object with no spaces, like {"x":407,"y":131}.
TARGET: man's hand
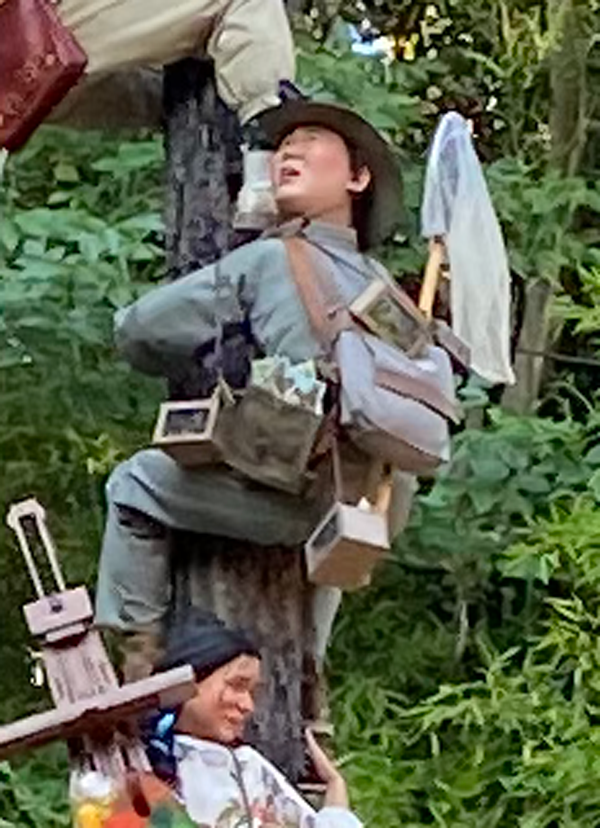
{"x":336,"y":793}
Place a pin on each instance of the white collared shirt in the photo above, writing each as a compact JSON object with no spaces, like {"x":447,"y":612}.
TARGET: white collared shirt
{"x":214,"y":794}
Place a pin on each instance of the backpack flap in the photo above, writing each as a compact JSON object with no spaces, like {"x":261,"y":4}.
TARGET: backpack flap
{"x":394,"y":407}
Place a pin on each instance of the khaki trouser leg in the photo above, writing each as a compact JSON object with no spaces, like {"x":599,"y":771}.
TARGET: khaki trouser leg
{"x":117,"y":34}
{"x":148,"y":495}
{"x":249,"y":40}
{"x":253,"y":50}
{"x":134,"y":583}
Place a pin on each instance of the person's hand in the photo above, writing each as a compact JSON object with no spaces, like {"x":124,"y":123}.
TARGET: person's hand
{"x":336,"y":793}
{"x":325,"y":768}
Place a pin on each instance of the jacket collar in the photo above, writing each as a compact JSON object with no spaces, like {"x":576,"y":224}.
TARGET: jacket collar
{"x":320,"y":232}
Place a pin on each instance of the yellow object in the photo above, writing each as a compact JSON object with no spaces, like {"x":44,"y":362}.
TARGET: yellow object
{"x":432,"y":276}
{"x":91,"y":815}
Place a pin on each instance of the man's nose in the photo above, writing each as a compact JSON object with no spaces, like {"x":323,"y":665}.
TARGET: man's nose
{"x":246,"y":703}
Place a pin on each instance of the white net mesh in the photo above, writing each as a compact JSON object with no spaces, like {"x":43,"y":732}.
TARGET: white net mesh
{"x":457,"y":206}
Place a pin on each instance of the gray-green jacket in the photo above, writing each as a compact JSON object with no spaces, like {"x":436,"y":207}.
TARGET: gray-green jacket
{"x":163,"y":329}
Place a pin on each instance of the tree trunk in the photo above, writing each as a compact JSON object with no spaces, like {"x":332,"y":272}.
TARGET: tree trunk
{"x":568,"y":85}
{"x":262,"y":589}
{"x":521,"y":397}
{"x":568,"y":121}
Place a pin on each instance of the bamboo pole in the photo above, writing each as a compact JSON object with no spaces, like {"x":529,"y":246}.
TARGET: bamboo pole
{"x":432,"y":276}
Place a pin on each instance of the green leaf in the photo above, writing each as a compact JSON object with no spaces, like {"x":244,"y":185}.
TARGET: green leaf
{"x":592,"y":458}
{"x":533,"y":483}
{"x":489,"y":468}
{"x":594,"y":484}
{"x":66,"y":172}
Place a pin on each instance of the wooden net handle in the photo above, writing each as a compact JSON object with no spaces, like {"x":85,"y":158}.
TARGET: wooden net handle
{"x":432,"y":276}
{"x":384,"y":495}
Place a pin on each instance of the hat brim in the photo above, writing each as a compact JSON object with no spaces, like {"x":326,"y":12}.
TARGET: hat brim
{"x":385,"y":209}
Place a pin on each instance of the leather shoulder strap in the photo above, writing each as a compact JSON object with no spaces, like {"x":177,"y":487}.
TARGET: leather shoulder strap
{"x":418,"y":389}
{"x":321,"y":312}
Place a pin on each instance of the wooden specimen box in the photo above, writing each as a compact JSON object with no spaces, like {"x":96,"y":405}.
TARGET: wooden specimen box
{"x":386,"y":311}
{"x":346,"y":545}
{"x":389,"y":313}
{"x":186,"y":429}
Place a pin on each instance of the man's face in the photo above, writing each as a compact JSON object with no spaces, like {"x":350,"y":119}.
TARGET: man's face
{"x":312,"y":175}
{"x":223,"y":702}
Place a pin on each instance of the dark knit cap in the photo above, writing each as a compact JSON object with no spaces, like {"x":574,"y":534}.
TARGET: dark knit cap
{"x":202,"y":640}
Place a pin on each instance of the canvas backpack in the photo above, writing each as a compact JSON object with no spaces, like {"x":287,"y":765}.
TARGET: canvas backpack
{"x":395,"y":403}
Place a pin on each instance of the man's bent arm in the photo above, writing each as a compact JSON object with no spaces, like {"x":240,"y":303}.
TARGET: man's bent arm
{"x":159,"y":333}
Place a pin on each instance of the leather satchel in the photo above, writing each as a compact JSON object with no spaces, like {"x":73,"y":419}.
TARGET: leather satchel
{"x":40,"y":61}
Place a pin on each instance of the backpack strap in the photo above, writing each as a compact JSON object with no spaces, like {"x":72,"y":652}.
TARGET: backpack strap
{"x":414,"y":387}
{"x":327,"y":313}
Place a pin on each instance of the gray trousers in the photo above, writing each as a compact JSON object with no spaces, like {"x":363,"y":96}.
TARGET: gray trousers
{"x":149,"y":495}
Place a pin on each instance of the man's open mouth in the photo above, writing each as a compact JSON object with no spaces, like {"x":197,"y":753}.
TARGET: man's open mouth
{"x":288,"y":174}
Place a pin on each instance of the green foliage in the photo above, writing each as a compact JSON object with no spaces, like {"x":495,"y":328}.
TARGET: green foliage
{"x":34,"y":794}
{"x":586,"y":312}
{"x":79,"y":234}
{"x":480,"y":705}
{"x":537,"y":213}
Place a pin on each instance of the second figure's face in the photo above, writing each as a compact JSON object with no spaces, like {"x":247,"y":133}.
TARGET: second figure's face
{"x":312,"y":174}
{"x":223,"y":702}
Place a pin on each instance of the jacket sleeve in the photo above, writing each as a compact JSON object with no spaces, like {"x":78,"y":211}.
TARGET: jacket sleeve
{"x":161,"y":332}
{"x":335,"y":817}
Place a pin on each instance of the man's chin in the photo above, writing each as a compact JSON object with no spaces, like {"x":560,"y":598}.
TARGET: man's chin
{"x":231,"y":734}
{"x":291,"y":208}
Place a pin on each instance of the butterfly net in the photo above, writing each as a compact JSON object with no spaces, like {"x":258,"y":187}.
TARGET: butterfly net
{"x":457,"y":206}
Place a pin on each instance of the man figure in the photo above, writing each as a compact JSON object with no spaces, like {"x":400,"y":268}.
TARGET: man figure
{"x":335,"y":182}
{"x":249,"y":41}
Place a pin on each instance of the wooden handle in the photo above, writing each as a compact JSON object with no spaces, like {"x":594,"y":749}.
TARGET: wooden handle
{"x":98,"y":714}
{"x":384,"y":496}
{"x":432,"y":276}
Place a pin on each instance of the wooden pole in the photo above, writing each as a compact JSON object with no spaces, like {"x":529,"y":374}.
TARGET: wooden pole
{"x":432,"y":277}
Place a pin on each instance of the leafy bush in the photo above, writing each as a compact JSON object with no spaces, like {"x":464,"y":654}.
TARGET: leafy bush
{"x":480,"y":704}
{"x":33,"y":794}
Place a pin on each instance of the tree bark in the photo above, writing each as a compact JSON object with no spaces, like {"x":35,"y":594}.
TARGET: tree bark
{"x":568,"y":84}
{"x":568,"y":121}
{"x":262,"y":589}
{"x":521,"y":397}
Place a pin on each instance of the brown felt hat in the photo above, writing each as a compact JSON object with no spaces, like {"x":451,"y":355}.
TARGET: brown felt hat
{"x":386,"y":202}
